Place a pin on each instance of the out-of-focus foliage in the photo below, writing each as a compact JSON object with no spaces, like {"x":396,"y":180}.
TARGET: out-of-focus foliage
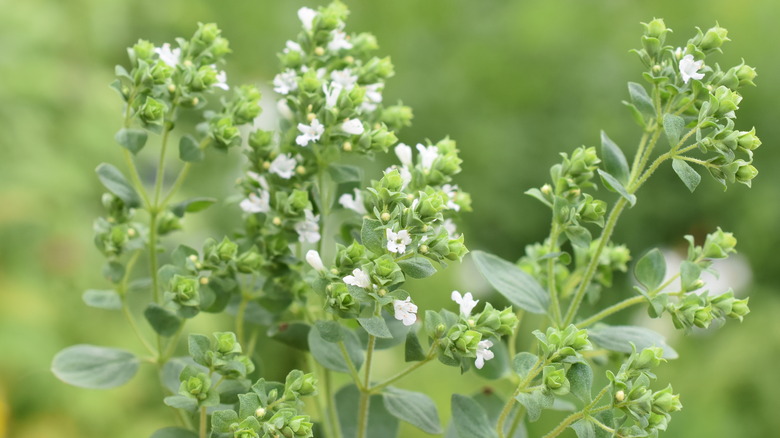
{"x":515,"y":82}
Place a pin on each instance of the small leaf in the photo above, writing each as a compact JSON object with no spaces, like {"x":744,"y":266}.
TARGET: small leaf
{"x":330,"y":355}
{"x":523,"y":362}
{"x":372,"y":235}
{"x":417,"y":267}
{"x":620,"y":337}
{"x":189,"y":150}
{"x":222,"y":420}
{"x":614,"y":161}
{"x":174,"y":432}
{"x":116,"y":183}
{"x":584,"y":429}
{"x":181,"y":402}
{"x":470,"y":419}
{"x":162,"y":320}
{"x":131,"y":139}
{"x":513,"y":283}
{"x":535,"y":402}
{"x":673,"y":127}
{"x":579,"y":236}
{"x":294,"y":334}
{"x":614,"y":185}
{"x":415,"y":408}
{"x":651,"y":269}
{"x":102,"y":299}
{"x":581,"y":379}
{"x":198,"y":345}
{"x":689,"y":273}
{"x":329,"y":330}
{"x":342,"y":173}
{"x":606,"y":418}
{"x":636,"y":114}
{"x":376,"y":326}
{"x":641,"y":99}
{"x":687,"y":174}
{"x":380,"y":423}
{"x":193,"y":205}
{"x":90,"y":366}
{"x":114,"y":271}
{"x":413,"y":351}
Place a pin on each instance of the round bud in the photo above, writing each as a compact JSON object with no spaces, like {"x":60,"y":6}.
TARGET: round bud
{"x":300,"y":170}
{"x":171,"y":88}
{"x":260,"y":412}
{"x":423,"y":249}
{"x":319,"y":51}
{"x":385,"y":217}
{"x":131,"y":232}
{"x":277,"y":221}
{"x":347,"y":146}
{"x":311,"y":116}
{"x":620,"y":396}
{"x":204,"y":280}
{"x":349,"y":59}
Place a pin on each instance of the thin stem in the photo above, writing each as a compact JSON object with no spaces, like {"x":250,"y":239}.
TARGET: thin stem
{"x":240,"y":319}
{"x":158,"y":182}
{"x":352,"y":370}
{"x":610,"y":310}
{"x":639,"y":154}
{"x":516,"y":421}
{"x":696,"y":160}
{"x":585,"y":412}
{"x":554,"y":304}
{"x":182,"y":176}
{"x":512,"y":341}
{"x":203,"y":418}
{"x":365,"y":394}
{"x":174,"y":341}
{"x":429,"y":356}
{"x":136,"y":330}
{"x":538,"y":366}
{"x":330,"y":405}
{"x":135,"y":178}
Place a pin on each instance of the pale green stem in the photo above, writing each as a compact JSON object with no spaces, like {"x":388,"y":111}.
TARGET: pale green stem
{"x":135,"y":178}
{"x":330,"y":404}
{"x":158,"y":183}
{"x":429,"y":356}
{"x":610,"y":310}
{"x":516,"y":421}
{"x":350,"y":366}
{"x":554,"y":304}
{"x":512,"y":341}
{"x":697,"y":161}
{"x":203,"y":419}
{"x":365,"y":395}
{"x":586,"y":411}
{"x":538,"y":366}
{"x":240,"y":319}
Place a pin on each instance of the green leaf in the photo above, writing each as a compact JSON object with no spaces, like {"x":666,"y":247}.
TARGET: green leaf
{"x":614,"y":185}
{"x":614,"y":161}
{"x":116,"y":183}
{"x":131,"y":139}
{"x":620,"y":337}
{"x":493,"y":404}
{"x":579,"y":236}
{"x":181,"y":402}
{"x":580,"y":377}
{"x":636,"y":114}
{"x":162,"y":320}
{"x":381,"y":424}
{"x":294,"y":334}
{"x":375,"y":326}
{"x":513,"y":283}
{"x":102,"y":299}
{"x":470,"y":419}
{"x":329,"y":330}
{"x":114,"y":271}
{"x":413,"y":351}
{"x":193,"y":205}
{"x":523,"y":362}
{"x":415,"y":408}
{"x":90,"y":366}
{"x":372,"y":235}
{"x":687,"y":174}
{"x":174,"y":432}
{"x":417,"y":267}
{"x":689,"y":273}
{"x":432,"y":320}
{"x":641,"y":99}
{"x":535,"y":402}
{"x":198,"y":345}
{"x":222,"y":420}
{"x":606,"y":418}
{"x":673,"y":127}
{"x":342,"y":173}
{"x":497,"y":367}
{"x":651,"y":269}
{"x":189,"y":150}
{"x":584,"y":429}
{"x":330,"y":356}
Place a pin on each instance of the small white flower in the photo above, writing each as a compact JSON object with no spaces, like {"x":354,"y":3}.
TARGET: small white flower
{"x":284,"y":109}
{"x":310,"y":132}
{"x":466,"y":302}
{"x":168,"y":56}
{"x":404,"y":154}
{"x":452,"y":230}
{"x":286,"y":82}
{"x":428,"y":154}
{"x":320,"y":71}
{"x":483,"y":353}
{"x":406,"y":176}
{"x":358,"y":278}
{"x":344,"y":79}
{"x":331,"y":95}
{"x":314,"y":260}
{"x":338,"y":41}
{"x":689,"y":68}
{"x":259,"y":178}
{"x":283,"y":165}
{"x":405,"y":311}
{"x":353,"y":203}
{"x":309,"y":229}
{"x":221,"y":79}
{"x":257,"y":204}
{"x":292,"y":46}
{"x":373,"y":97}
{"x":396,"y":242}
{"x":353,"y":127}
{"x":306,"y":15}
{"x":452,"y":192}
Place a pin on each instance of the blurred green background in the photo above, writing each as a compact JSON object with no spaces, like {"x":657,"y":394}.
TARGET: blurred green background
{"x":514,"y":82}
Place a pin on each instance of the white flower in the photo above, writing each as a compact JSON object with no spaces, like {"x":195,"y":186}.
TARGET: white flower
{"x":358,"y":278}
{"x":483,"y":353}
{"x":466,"y":302}
{"x":373,"y":97}
{"x":452,"y":230}
{"x":452,"y":192}
{"x":353,"y":127}
{"x":283,"y":165}
{"x":257,"y":204}
{"x":284,"y":109}
{"x":320,"y":71}
{"x":428,"y":154}
{"x":292,"y":46}
{"x":221,"y":79}
{"x":286,"y":82}
{"x":168,"y":56}
{"x":306,"y":15}
{"x":338,"y":41}
{"x":689,"y":68}
{"x":406,"y":177}
{"x":331,"y":95}
{"x":314,"y":260}
{"x":309,"y":229}
{"x":353,"y":203}
{"x":344,"y":79}
{"x":405,"y":311}
{"x":396,"y":242}
{"x":404,"y":154}
{"x":309,"y":133}
{"x":259,"y":178}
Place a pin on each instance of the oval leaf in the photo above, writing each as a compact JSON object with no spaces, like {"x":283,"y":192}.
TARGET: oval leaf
{"x":193,"y":205}
{"x":620,"y":337}
{"x":189,"y":150}
{"x":581,"y":379}
{"x":415,"y":408}
{"x":342,"y":173}
{"x":102,"y":299}
{"x":117,"y":184}
{"x":513,"y":283}
{"x":673,"y":127}
{"x":162,"y":320}
{"x":651,"y":269}
{"x":375,"y":326}
{"x":612,"y":184}
{"x":131,"y":139}
{"x":470,"y":419}
{"x":614,"y":161}
{"x":687,"y":174}
{"x":641,"y":99}
{"x":90,"y":366}
{"x":372,"y":235}
{"x":330,"y":355}
{"x":417,"y":267}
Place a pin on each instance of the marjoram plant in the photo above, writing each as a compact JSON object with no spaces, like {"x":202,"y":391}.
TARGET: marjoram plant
{"x":322,"y":258}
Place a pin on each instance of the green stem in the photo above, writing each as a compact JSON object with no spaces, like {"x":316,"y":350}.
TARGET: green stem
{"x":516,"y":421}
{"x":135,"y":178}
{"x":512,"y":341}
{"x":585,"y":412}
{"x":330,"y":405}
{"x":135,"y":328}
{"x":538,"y":366}
{"x":158,"y":182}
{"x":240,"y":319}
{"x":610,"y":310}
{"x":203,"y":418}
{"x":182,"y":176}
{"x":350,"y":366}
{"x":697,"y":161}
{"x":429,"y":356}
{"x":171,"y":348}
{"x":556,"y":307}
{"x":365,"y":394}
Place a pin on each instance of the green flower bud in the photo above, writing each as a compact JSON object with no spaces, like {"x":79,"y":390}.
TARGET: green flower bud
{"x":746,"y":74}
{"x":364,"y":42}
{"x":224,"y":133}
{"x":152,"y":111}
{"x":392,"y":181}
{"x":714,"y":38}
{"x":333,"y":15}
{"x":299,"y":200}
{"x":397,"y":116}
{"x":719,"y":245}
{"x":702,"y":317}
{"x":385,"y":267}
{"x":431,"y":205}
{"x":259,"y":140}
{"x":377,"y":69}
{"x":309,"y":82}
{"x":456,"y":249}
{"x":185,"y":290}
{"x":728,"y":100}
{"x":593,"y":210}
{"x":555,"y":380}
{"x":488,"y":321}
{"x":648,"y":358}
{"x":227,"y":343}
{"x":292,"y":59}
{"x":651,"y":45}
{"x":207,"y":32}
{"x":167,"y":223}
{"x":665,"y":401}
{"x":382,"y":139}
{"x":739,"y":309}
{"x":508,"y":320}
{"x":342,"y":302}
{"x":308,"y":385}
{"x":249,"y":261}
{"x":195,"y":384}
{"x":220,"y":47}
{"x":142,"y":50}
{"x":465,"y":341}
{"x":746,"y":173}
{"x":205,"y":77}
{"x":656,"y":29}
{"x":748,"y":140}
{"x":227,"y":250}
{"x":160,"y":72}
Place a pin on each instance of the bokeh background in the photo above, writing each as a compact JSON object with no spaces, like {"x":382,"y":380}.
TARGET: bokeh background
{"x":514,"y":82}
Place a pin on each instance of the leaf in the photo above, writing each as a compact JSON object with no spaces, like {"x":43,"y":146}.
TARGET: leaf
{"x":635,"y":114}
{"x":689,"y":273}
{"x":584,"y":429}
{"x":174,"y":432}
{"x":579,"y":236}
{"x":651,"y":269}
{"x":580,"y":377}
{"x":397,"y":331}
{"x":330,"y":355}
{"x":181,"y":402}
{"x":535,"y":402}
{"x":372,"y":235}
{"x":413,"y":351}
{"x":614,"y":161}
{"x":162,"y":320}
{"x":415,"y":408}
{"x":673,"y":127}
{"x":687,"y":174}
{"x":513,"y":283}
{"x":189,"y":150}
{"x":606,"y":418}
{"x":614,"y":185}
{"x":417,"y":267}
{"x":641,"y":99}
{"x":114,"y":271}
{"x":497,"y":367}
{"x":620,"y":337}
{"x":197,"y":346}
{"x":342,"y":173}
{"x":294,"y":334}
{"x":131,"y":139}
{"x":90,"y":366}
{"x":470,"y":419}
{"x":193,"y":205}
{"x":380,"y":423}
{"x":375,"y":326}
{"x":222,"y":420}
{"x":102,"y":299}
{"x":329,"y":330}
{"x":116,"y":183}
{"x":523,"y":362}
{"x":493,"y":404}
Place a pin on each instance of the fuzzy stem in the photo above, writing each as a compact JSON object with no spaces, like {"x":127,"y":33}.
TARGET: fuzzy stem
{"x":554,"y":304}
{"x":365,"y":394}
{"x":203,"y":418}
{"x":538,"y":366}
{"x":610,"y":310}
